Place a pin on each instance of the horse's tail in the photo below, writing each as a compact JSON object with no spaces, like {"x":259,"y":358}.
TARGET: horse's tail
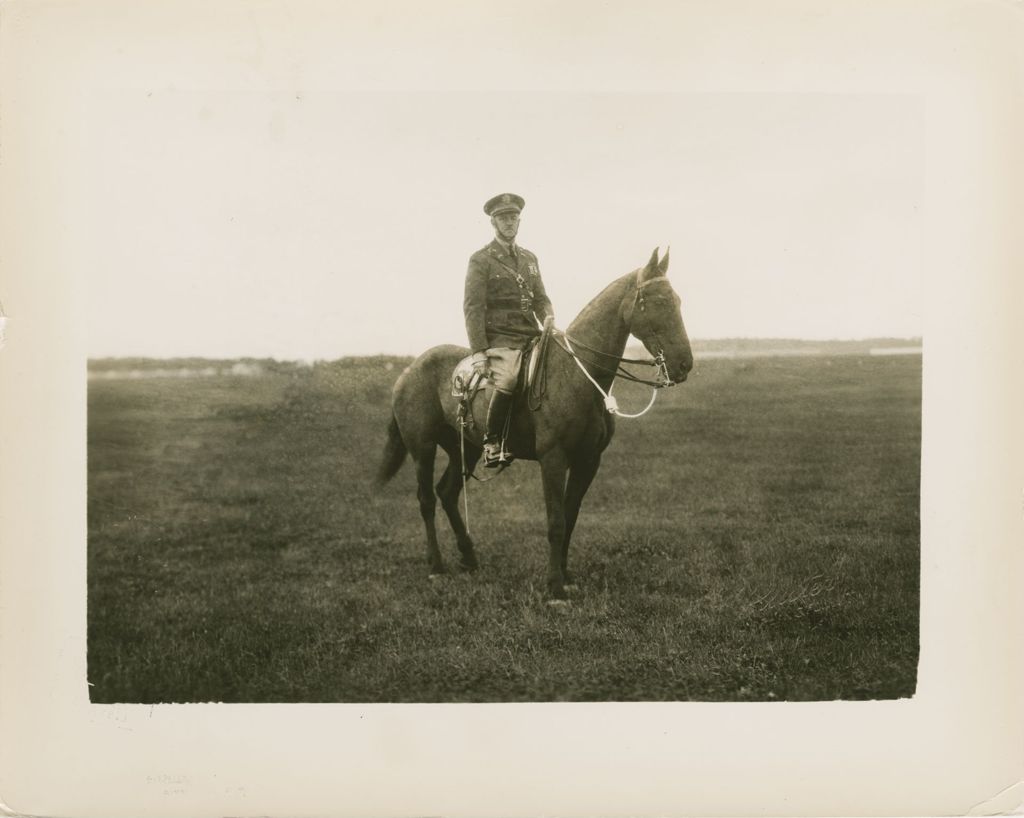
{"x":394,"y":454}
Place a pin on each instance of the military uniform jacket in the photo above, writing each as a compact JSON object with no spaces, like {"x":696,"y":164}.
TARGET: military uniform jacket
{"x":505,"y":298}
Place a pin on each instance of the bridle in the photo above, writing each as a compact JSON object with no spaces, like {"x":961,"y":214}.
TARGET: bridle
{"x":663,"y":378}
{"x":658,"y":362}
{"x":640,"y":302}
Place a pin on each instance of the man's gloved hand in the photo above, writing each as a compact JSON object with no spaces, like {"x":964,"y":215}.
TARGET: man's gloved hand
{"x":549,"y":322}
{"x":480,"y":363}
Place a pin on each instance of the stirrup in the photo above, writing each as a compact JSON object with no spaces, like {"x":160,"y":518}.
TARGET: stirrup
{"x":495,"y":455}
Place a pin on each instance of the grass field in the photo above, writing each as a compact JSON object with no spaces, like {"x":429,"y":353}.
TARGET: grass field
{"x":754,"y":537}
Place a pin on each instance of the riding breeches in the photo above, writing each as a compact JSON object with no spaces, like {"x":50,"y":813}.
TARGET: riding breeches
{"x":504,"y":364}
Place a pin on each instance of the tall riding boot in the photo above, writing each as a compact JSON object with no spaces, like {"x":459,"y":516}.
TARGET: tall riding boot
{"x":497,"y":415}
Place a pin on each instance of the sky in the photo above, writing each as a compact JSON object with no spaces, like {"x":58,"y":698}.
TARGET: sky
{"x":314,"y":224}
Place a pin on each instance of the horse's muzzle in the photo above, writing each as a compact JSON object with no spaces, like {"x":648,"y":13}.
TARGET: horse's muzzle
{"x":681,"y":373}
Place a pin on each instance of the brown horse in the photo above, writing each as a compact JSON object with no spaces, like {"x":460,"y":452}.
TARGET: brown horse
{"x":567,"y":432}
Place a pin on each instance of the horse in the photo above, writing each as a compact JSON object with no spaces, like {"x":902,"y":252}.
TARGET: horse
{"x":566,"y":433}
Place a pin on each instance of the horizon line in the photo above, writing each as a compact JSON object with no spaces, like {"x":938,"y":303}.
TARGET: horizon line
{"x":914,"y":339}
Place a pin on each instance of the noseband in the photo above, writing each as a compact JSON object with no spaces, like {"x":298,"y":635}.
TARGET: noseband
{"x":639,"y":302}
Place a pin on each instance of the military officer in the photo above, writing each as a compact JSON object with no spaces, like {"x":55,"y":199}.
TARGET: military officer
{"x":504,"y":300}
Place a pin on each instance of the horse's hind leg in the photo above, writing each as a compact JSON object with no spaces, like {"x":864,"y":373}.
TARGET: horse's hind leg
{"x":449,"y":489}
{"x":428,"y":504}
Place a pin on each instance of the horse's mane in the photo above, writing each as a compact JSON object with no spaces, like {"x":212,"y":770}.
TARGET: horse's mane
{"x":610,"y":292}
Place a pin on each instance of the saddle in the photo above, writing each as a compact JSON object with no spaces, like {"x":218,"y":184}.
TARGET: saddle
{"x":466,"y":383}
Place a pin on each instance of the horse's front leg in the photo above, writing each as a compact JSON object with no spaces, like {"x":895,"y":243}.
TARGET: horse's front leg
{"x":581,"y":475}
{"x":553,"y":465}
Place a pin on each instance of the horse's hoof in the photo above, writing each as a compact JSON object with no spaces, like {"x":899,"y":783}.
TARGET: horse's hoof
{"x":435,"y":575}
{"x":571,"y":586}
{"x":468,"y":567}
{"x":559,"y":603}
{"x":556,"y":592}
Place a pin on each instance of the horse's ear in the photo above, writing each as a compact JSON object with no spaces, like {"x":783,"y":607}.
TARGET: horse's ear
{"x":651,"y":270}
{"x":663,"y":264}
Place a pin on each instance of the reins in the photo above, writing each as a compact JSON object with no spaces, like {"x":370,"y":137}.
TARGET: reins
{"x":618,"y":358}
{"x":618,"y":372}
{"x":610,"y":403}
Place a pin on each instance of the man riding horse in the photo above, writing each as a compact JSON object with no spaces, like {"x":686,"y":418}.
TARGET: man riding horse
{"x":504,"y":300}
{"x":568,"y":430}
